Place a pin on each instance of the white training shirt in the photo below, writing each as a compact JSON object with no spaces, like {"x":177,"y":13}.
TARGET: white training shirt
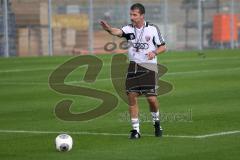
{"x":148,"y":38}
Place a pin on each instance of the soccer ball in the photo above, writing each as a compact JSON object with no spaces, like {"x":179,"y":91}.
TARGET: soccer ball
{"x":63,"y":142}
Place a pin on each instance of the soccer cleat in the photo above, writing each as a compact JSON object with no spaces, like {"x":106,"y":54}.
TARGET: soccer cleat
{"x":158,"y":129}
{"x":134,"y":134}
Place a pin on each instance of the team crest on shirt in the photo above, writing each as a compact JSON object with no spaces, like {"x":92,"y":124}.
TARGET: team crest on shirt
{"x":147,"y":38}
{"x":131,"y":36}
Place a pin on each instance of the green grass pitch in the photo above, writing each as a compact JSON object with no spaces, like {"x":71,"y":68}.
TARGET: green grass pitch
{"x":206,"y":90}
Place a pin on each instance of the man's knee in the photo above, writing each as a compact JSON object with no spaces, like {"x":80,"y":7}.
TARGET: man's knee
{"x":132,"y":99}
{"x":152,"y":99}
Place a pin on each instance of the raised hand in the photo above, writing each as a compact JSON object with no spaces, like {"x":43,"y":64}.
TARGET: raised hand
{"x":105,"y":25}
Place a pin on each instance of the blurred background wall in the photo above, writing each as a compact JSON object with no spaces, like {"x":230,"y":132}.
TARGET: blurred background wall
{"x":70,"y":27}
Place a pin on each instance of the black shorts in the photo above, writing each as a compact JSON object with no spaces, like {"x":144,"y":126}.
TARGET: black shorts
{"x":141,"y":80}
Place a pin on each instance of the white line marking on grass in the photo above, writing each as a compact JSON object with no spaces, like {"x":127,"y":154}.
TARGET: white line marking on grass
{"x":164,"y":61}
{"x":199,"y":59}
{"x":218,"y":134}
{"x":107,"y":79}
{"x":26,"y":70}
{"x":203,"y":71}
{"x":117,"y":134}
{"x":174,"y":73}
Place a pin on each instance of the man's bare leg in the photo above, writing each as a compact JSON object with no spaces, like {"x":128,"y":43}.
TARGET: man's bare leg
{"x":153,"y":104}
{"x":154,"y":109}
{"x":133,"y":110}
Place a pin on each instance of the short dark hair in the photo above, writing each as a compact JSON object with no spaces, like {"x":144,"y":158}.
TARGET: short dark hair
{"x":138,"y":6}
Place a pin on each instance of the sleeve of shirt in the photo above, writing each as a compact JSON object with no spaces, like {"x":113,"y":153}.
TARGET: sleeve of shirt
{"x":125,"y":33}
{"x":158,"y":38}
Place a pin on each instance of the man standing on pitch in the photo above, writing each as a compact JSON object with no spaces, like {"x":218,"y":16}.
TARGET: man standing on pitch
{"x":145,"y":43}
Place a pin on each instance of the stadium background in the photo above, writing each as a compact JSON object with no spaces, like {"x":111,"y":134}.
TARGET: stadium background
{"x":200,"y":116}
{"x":71,"y":27}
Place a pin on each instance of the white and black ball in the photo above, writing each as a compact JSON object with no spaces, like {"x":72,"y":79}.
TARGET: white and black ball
{"x":64,"y":142}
